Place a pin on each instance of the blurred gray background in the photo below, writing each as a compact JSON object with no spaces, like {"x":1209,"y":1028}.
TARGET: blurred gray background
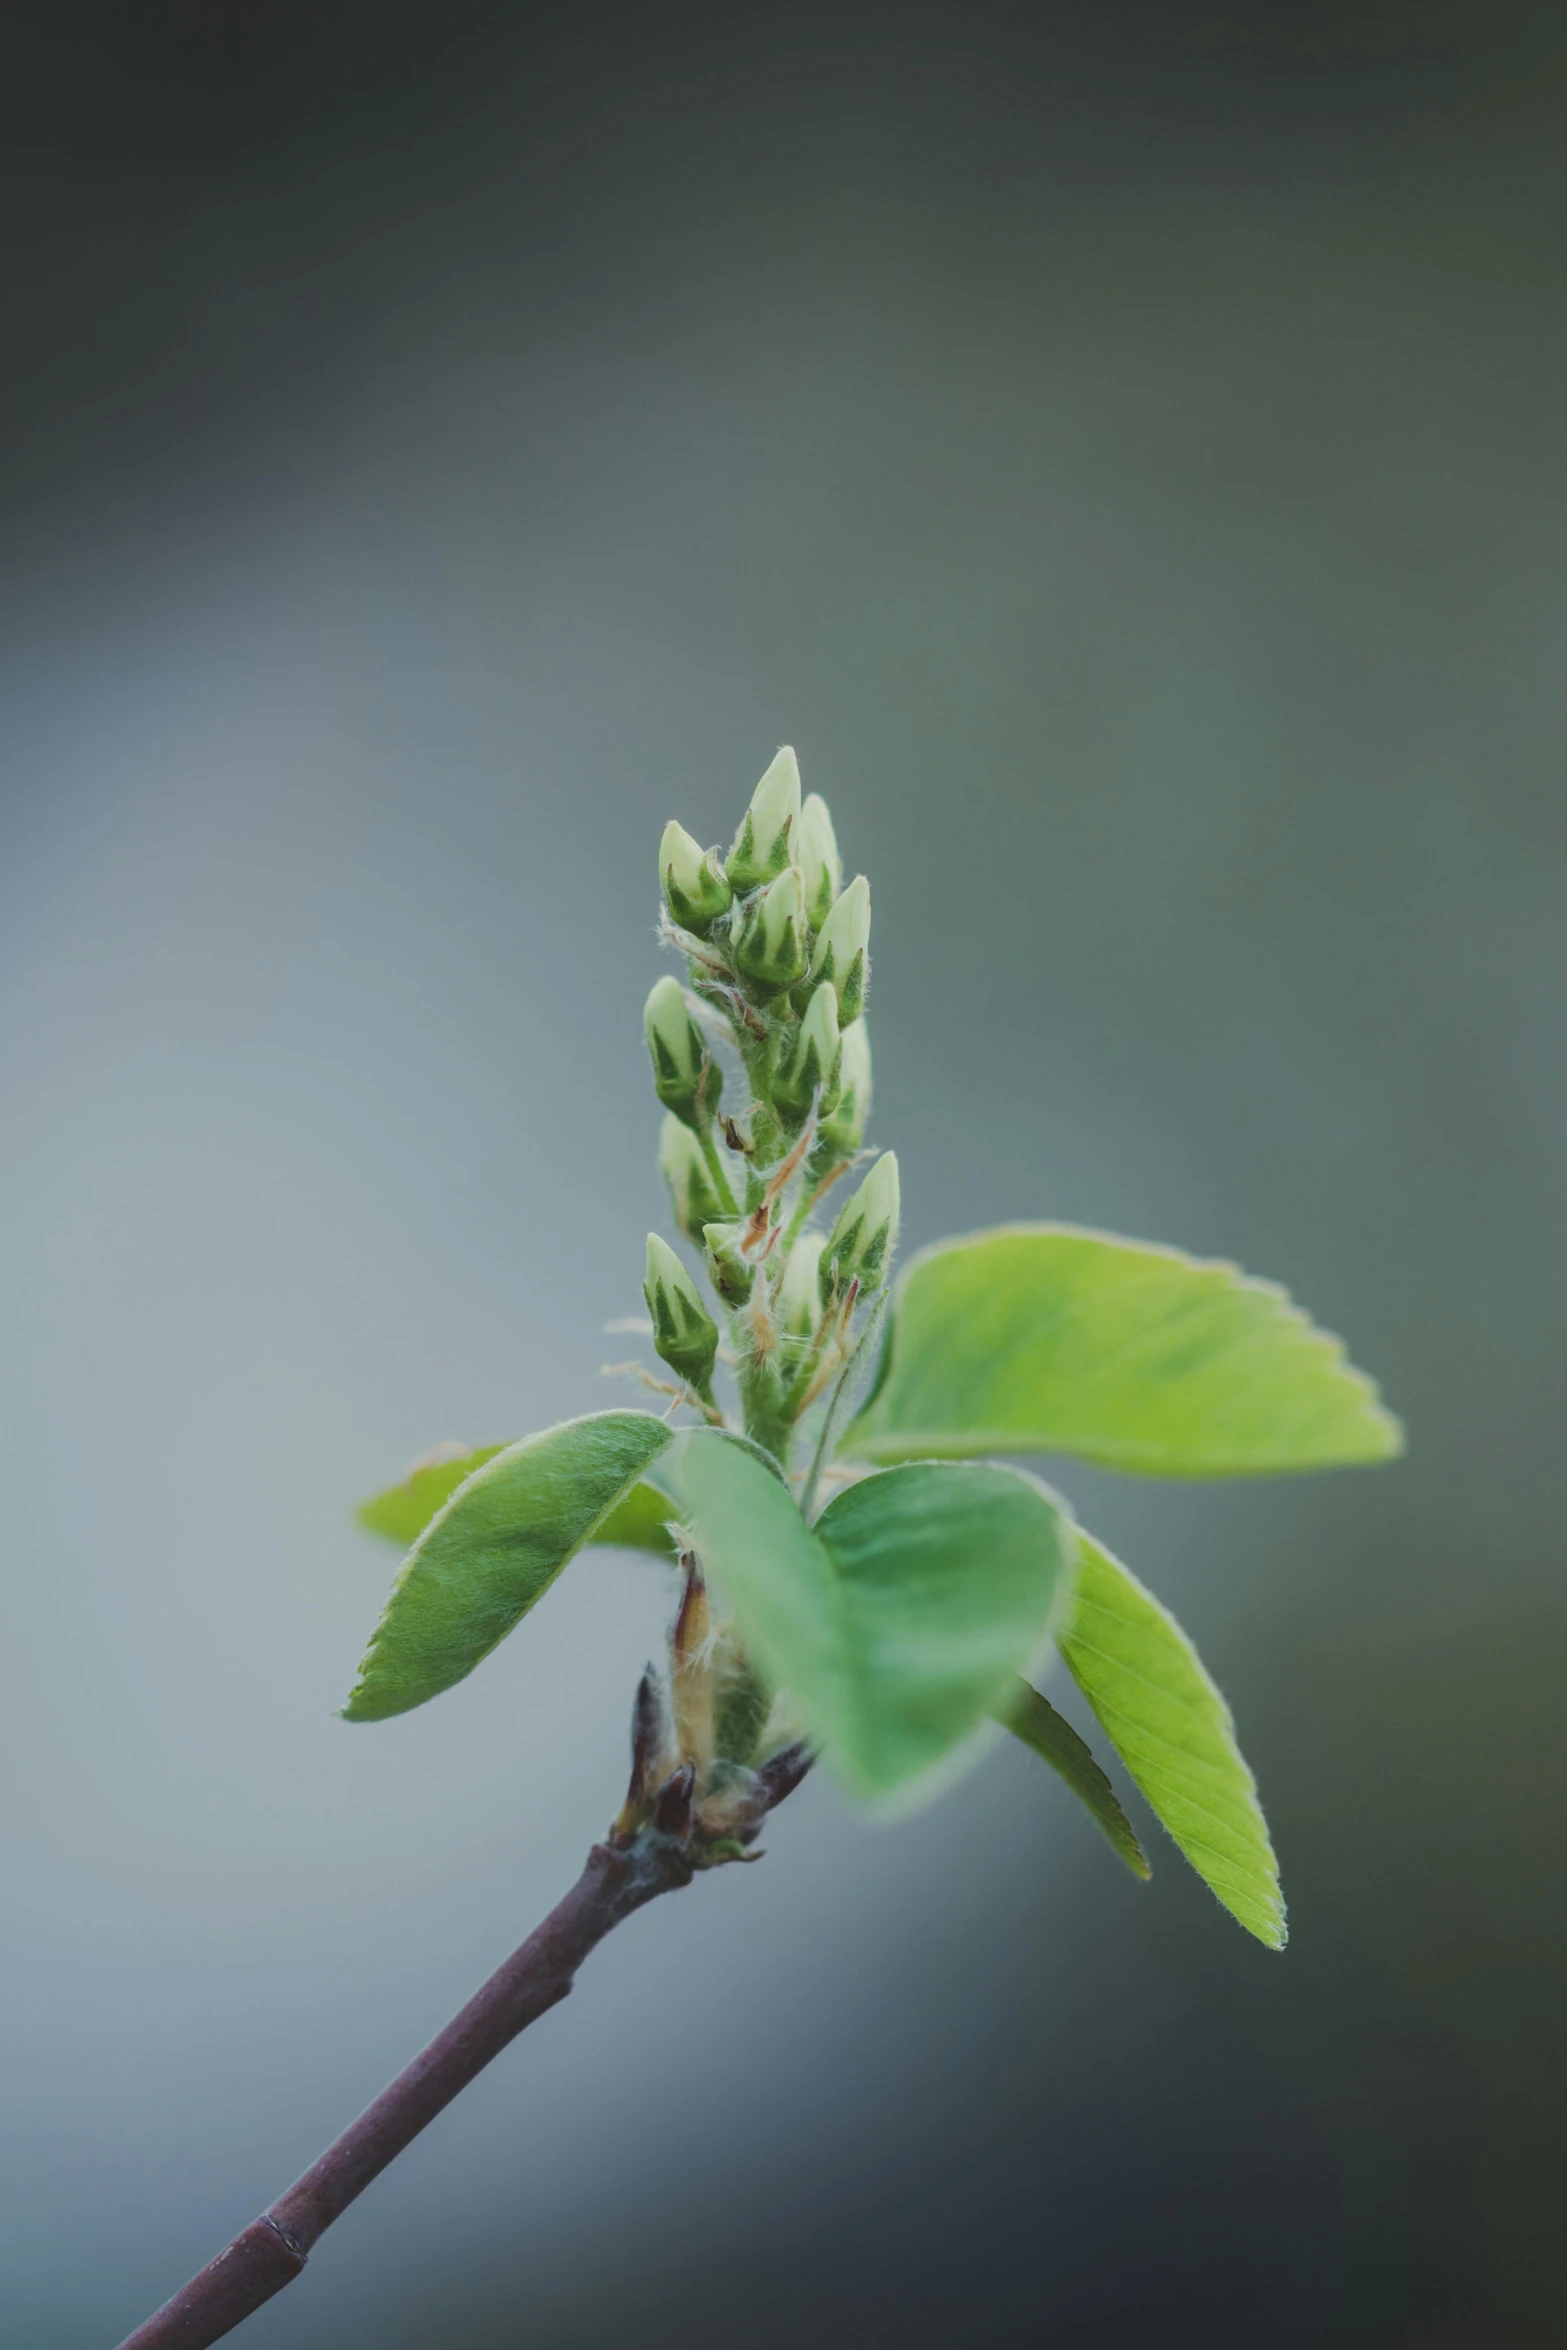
{"x":1123,"y":451}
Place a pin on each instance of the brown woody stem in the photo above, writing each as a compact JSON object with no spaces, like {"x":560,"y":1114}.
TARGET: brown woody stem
{"x":270,"y":2253}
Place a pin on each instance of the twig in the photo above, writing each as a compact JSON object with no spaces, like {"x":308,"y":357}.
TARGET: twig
{"x":270,"y":2253}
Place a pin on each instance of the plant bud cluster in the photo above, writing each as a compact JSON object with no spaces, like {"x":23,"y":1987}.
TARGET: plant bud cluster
{"x":778,"y":972}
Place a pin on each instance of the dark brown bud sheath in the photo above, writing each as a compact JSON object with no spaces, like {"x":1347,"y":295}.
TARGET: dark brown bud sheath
{"x":782,"y":1773}
{"x":672,"y":1812}
{"x":649,"y":1735}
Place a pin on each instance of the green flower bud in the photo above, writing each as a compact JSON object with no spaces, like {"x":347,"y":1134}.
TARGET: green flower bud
{"x":854,"y":1088}
{"x":695,"y":890}
{"x":813,"y":1058}
{"x":684,"y":1333}
{"x":799,"y":1295}
{"x":864,"y":1236}
{"x":762,"y":844}
{"x":771,"y":944}
{"x":684,"y":1078}
{"x":843,"y":951}
{"x":731,"y":1272}
{"x":692,"y":1192}
{"x":816,"y":854}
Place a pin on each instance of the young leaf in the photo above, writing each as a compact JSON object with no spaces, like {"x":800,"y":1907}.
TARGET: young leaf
{"x":493,"y":1550}
{"x":1035,"y":1720}
{"x":1172,"y":1729}
{"x":639,"y":1522}
{"x":1044,"y":1338}
{"x":403,"y":1511}
{"x":899,"y":1620}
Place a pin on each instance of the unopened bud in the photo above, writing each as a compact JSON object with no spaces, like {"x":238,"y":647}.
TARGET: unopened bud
{"x":695,"y":890}
{"x":799,"y":1296}
{"x":843,"y":950}
{"x":771,"y":945}
{"x":649,"y":1737}
{"x":731,"y":1270}
{"x":812,"y":1062}
{"x":684,"y":1078}
{"x":816,"y":854}
{"x":762,"y":844}
{"x":684,"y":1332}
{"x":692,"y":1192}
{"x":693,"y":1684}
{"x":865,"y":1234}
{"x":783,"y":1772}
{"x":846,"y":1129}
{"x":672,"y":1811}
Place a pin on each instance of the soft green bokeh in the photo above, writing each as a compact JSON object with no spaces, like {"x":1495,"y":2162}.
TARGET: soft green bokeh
{"x":896,"y":1623}
{"x":1044,"y":1338}
{"x":494,"y":1550}
{"x":1172,"y":1729}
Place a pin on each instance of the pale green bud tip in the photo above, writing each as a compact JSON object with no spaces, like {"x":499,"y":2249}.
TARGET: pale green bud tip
{"x":816,"y":854}
{"x":776,"y":799}
{"x":762,"y":844}
{"x":695,"y":890}
{"x":799,"y":1297}
{"x":813,"y":1062}
{"x":770,"y":944}
{"x":683,"y":1331}
{"x":854,"y":1071}
{"x":684,"y":1079}
{"x":684,"y":1169}
{"x":865,"y":1235}
{"x":843,"y":949}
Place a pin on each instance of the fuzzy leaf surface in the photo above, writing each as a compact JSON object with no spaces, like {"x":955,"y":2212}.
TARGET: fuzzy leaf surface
{"x":899,"y":1621}
{"x":1169,"y":1724}
{"x":1046,"y":1338}
{"x":403,"y":1511}
{"x":493,"y":1550}
{"x":1051,"y":1736}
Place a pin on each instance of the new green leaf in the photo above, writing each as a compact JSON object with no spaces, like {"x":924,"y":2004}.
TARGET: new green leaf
{"x":1044,"y":1338}
{"x":1035,"y":1720}
{"x":492,"y":1551}
{"x":1172,"y":1729}
{"x":898,"y":1622}
{"x":403,"y":1511}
